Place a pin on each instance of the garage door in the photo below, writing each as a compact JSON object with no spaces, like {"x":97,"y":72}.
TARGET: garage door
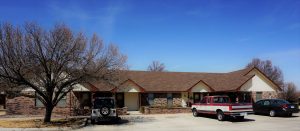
{"x":132,"y":101}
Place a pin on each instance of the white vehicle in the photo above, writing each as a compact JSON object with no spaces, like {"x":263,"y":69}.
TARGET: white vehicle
{"x":221,"y":106}
{"x":104,"y":110}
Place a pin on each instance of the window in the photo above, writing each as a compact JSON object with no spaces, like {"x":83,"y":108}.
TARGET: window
{"x":196,"y":96}
{"x":208,"y":100}
{"x":61,"y":103}
{"x":160,"y":95}
{"x":169,"y":100}
{"x":260,"y":103}
{"x":176,"y":95}
{"x":266,"y":103}
{"x":258,"y":96}
{"x":203,"y":100}
{"x":221,"y":99}
{"x":38,"y":103}
{"x":150,"y":98}
{"x":280,"y":102}
{"x":98,"y":103}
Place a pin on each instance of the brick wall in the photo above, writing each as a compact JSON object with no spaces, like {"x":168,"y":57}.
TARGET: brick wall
{"x":163,"y":102}
{"x":22,"y":105}
{"x":122,"y":111}
{"x":160,"y":102}
{"x":149,"y":110}
{"x":177,"y":102}
{"x":265,"y":95}
{"x":269,"y":94}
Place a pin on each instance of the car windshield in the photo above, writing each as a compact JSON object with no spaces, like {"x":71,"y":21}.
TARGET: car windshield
{"x":98,"y":103}
{"x":221,"y":99}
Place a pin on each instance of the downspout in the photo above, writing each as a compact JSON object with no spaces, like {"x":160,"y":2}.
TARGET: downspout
{"x":188,"y":103}
{"x":70,"y":104}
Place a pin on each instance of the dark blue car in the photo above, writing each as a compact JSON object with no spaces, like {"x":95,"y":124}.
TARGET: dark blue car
{"x":275,"y":107}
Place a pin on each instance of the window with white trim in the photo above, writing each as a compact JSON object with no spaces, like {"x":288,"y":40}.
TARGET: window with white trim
{"x":61,"y":103}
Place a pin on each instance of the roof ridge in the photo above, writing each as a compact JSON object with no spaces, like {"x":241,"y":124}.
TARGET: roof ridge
{"x":180,"y":72}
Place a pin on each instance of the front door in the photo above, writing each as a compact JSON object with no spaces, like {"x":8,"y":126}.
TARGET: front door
{"x":131,"y":101}
{"x":120,"y":100}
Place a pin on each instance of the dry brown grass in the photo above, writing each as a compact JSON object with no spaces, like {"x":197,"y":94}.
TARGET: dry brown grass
{"x":37,"y":123}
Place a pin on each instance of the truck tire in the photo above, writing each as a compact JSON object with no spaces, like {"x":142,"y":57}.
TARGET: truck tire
{"x":195,"y":113}
{"x":104,"y":111}
{"x":220,"y":116}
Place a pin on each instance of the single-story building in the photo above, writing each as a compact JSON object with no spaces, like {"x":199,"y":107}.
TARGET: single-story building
{"x":138,"y":89}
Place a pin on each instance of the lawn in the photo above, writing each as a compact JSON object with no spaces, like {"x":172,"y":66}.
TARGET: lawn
{"x":38,"y":123}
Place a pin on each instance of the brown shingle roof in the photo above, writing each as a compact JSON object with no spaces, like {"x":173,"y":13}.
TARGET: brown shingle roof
{"x":180,"y":81}
{"x":98,"y":86}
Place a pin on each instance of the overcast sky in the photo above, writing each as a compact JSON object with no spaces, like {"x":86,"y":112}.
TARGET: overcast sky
{"x":186,"y":35}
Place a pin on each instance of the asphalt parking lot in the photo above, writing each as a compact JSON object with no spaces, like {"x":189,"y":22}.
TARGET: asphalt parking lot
{"x":186,"y":122}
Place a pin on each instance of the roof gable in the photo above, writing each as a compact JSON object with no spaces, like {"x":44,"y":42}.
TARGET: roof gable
{"x":200,"y":87}
{"x":128,"y":86}
{"x":259,"y":82}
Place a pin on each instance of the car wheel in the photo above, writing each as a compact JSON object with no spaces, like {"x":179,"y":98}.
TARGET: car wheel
{"x":220,"y":116}
{"x":290,"y":114}
{"x":272,"y":113}
{"x":195,"y":113}
{"x":104,"y":111}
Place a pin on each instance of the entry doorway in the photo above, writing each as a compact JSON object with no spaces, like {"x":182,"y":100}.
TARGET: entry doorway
{"x":120,"y":100}
{"x":199,"y":96}
{"x":2,"y":101}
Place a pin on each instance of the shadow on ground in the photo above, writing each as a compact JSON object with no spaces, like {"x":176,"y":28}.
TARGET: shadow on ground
{"x":120,"y":122}
{"x":279,"y":116}
{"x":127,"y":120}
{"x":230,"y":119}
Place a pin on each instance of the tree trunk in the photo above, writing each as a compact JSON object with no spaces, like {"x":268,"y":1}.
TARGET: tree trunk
{"x":48,"y":114}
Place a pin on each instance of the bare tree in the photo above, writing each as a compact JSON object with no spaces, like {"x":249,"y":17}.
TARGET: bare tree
{"x":272,"y":72}
{"x":289,"y":92}
{"x":156,"y":66}
{"x":52,"y":61}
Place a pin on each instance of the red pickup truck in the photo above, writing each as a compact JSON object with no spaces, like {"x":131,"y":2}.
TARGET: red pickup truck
{"x":221,"y":106}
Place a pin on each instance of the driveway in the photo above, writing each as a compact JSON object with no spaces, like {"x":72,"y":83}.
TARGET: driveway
{"x":186,"y":122}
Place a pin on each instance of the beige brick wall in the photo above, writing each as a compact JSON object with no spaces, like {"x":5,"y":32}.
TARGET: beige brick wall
{"x":22,"y":105}
{"x":148,"y":110}
{"x":159,"y":102}
{"x":177,"y":102}
{"x":265,"y":95}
